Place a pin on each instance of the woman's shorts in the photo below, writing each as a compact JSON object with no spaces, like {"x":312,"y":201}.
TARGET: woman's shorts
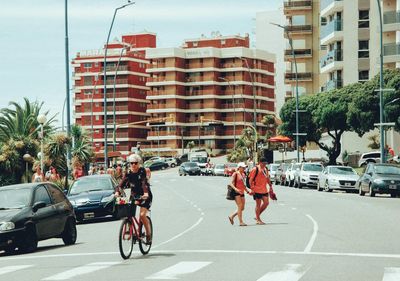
{"x":259,"y":195}
{"x":238,"y":194}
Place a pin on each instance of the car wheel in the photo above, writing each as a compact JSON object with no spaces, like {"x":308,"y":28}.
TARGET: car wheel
{"x":29,"y":244}
{"x":393,"y":195}
{"x":326,"y":187}
{"x":163,"y":168}
{"x":173,"y":165}
{"x":69,"y":234}
{"x":360,"y":191}
{"x":180,"y":174}
{"x":371,"y":192}
{"x":9,"y":250}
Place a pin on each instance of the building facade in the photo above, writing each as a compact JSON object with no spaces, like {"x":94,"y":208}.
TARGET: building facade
{"x":208,"y":81}
{"x":126,"y":92}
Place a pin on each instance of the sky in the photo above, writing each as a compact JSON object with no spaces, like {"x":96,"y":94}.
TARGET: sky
{"x":32,"y":36}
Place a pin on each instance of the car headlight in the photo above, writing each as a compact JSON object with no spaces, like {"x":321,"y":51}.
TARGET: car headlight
{"x":333,"y":181}
{"x":107,"y":198}
{"x":4,"y":226}
{"x":378,"y":181}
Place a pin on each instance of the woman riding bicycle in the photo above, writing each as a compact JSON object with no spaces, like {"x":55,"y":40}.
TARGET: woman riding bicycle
{"x":140,"y":190}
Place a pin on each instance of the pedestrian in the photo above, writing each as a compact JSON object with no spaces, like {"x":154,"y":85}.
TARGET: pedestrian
{"x":239,"y":186}
{"x":259,"y":180}
{"x":391,"y":151}
{"x":78,"y":172}
{"x":38,"y":176}
{"x":118,"y":173}
{"x":54,"y":175}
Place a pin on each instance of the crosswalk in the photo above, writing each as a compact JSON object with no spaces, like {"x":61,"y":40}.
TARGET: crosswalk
{"x":183,"y":270}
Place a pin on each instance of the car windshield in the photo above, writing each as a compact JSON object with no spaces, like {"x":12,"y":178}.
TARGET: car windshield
{"x":273,"y":167}
{"x":191,"y":164}
{"x":312,"y":167}
{"x":342,"y":171}
{"x":14,"y":198}
{"x":393,"y":170}
{"x":199,"y":159}
{"x":219,"y":166}
{"x":296,"y":166}
{"x":91,"y":184}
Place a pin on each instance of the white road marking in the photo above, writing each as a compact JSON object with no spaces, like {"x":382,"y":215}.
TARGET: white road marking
{"x":313,"y":236}
{"x":180,"y":268}
{"x":172,"y":179}
{"x":12,"y":268}
{"x":180,"y":234}
{"x":91,"y":267}
{"x":290,"y":273}
{"x":280,"y":204}
{"x":294,"y":209}
{"x":391,"y":274}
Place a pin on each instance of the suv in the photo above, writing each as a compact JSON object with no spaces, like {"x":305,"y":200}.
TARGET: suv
{"x":369,"y":157}
{"x":308,"y":175}
{"x":171,"y":162}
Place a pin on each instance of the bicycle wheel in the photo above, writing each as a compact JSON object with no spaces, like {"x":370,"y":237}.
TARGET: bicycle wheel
{"x":126,"y":239}
{"x":143,"y":245}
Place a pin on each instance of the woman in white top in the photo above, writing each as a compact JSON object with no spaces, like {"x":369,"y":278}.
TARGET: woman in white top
{"x":38,"y":176}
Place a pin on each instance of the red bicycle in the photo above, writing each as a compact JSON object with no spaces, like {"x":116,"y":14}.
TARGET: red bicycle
{"x":132,"y":231}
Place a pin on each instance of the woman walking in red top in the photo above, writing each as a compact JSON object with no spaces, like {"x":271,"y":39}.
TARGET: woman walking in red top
{"x":239,"y":186}
{"x":259,"y":179}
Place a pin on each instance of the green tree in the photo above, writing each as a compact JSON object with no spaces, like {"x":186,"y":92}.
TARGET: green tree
{"x":190,"y":145}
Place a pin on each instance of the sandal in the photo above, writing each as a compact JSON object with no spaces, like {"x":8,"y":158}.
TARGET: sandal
{"x":260,"y":223}
{"x":231,"y":220}
{"x":243,"y":224}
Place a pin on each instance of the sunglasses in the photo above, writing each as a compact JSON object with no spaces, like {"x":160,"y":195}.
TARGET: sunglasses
{"x":134,"y":163}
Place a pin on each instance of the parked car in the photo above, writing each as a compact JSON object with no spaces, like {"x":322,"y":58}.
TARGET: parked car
{"x":369,"y":157}
{"x":34,"y":212}
{"x":291,"y":173}
{"x":156,"y":165}
{"x":230,"y":168}
{"x":93,"y":196}
{"x":281,"y":173}
{"x":338,"y":178}
{"x":189,"y":168}
{"x":307,"y":175}
{"x":380,"y":178}
{"x":172,"y":162}
{"x":218,"y":170}
{"x":157,"y":158}
{"x":272,"y":171}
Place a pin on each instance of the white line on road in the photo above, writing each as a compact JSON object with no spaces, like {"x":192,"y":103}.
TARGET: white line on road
{"x":391,"y":274}
{"x":91,"y":267}
{"x":180,"y":268}
{"x":12,"y":268}
{"x":313,"y":236}
{"x":290,"y":273}
{"x":294,"y":209}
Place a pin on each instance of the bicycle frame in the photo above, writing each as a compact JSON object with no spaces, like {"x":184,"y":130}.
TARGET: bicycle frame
{"x":134,"y":227}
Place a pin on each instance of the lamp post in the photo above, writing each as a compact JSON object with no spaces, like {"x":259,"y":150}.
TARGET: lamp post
{"x":105,"y":81}
{"x":234,"y":111}
{"x":41,"y":119}
{"x":382,"y":138}
{"x":297,"y":87}
{"x":27,"y":158}
{"x":67,"y":83}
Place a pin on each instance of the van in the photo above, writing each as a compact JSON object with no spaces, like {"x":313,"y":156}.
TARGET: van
{"x":369,"y":157}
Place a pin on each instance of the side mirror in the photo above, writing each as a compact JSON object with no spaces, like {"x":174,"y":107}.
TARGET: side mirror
{"x":38,"y":205}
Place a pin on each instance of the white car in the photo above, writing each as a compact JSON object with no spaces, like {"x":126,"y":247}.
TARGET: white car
{"x":308,"y":174}
{"x":218,"y":170}
{"x":272,"y":172}
{"x":290,"y":173}
{"x":374,"y":157}
{"x":171,"y":162}
{"x":338,"y":177}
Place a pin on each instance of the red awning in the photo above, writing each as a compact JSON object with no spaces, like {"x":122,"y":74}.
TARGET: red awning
{"x":280,"y":139}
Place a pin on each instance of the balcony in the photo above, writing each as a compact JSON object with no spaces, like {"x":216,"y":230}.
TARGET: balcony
{"x":117,"y":81}
{"x":329,"y":63}
{"x":391,"y":53}
{"x":299,"y":53}
{"x":391,"y":21}
{"x":298,"y":29}
{"x":302,"y":76}
{"x":329,"y":7}
{"x":333,"y":84}
{"x":291,"y":6}
{"x":331,"y":32}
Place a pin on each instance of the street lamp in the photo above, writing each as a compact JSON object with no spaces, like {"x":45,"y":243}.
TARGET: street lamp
{"x":27,"y":158}
{"x":41,"y":119}
{"x":67,"y":97}
{"x":105,"y":80}
{"x":234,"y":111}
{"x":297,"y":87}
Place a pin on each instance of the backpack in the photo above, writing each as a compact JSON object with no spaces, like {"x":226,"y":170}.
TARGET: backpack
{"x":248,"y":178}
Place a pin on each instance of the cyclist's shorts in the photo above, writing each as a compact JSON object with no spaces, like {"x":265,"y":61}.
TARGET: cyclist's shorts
{"x":147,"y":203}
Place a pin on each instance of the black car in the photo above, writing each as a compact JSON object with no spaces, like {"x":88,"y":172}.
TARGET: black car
{"x":380,"y":178}
{"x":157,"y":165}
{"x":33,"y":212}
{"x":93,"y":196}
{"x":189,"y":168}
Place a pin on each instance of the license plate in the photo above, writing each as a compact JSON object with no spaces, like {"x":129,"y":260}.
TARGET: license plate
{"x":347,"y":184}
{"x":392,"y":186}
{"x":88,"y":215}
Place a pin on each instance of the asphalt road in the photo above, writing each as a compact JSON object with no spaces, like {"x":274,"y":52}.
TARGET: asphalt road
{"x":309,"y":235}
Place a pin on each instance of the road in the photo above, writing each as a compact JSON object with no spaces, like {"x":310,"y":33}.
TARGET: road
{"x":309,"y":235}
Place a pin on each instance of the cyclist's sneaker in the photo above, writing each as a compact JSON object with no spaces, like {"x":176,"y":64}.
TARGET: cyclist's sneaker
{"x":148,"y":239}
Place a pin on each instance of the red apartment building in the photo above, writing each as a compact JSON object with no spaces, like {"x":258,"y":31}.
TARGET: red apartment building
{"x":208,"y":79}
{"x":126,"y":69}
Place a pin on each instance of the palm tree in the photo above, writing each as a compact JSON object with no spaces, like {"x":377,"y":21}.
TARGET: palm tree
{"x":19,"y":135}
{"x":82,"y":150}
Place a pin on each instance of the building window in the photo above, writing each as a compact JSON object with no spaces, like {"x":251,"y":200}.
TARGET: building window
{"x":363,"y":49}
{"x":363,"y":75}
{"x":87,"y":65}
{"x":363,"y":19}
{"x":223,"y":42}
{"x":195,"y":44}
{"x":97,"y":117}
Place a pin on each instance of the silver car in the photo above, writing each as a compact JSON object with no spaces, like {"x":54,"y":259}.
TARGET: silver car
{"x":308,"y":174}
{"x":339,"y":178}
{"x":272,"y":172}
{"x":291,"y":173}
{"x":218,"y":170}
